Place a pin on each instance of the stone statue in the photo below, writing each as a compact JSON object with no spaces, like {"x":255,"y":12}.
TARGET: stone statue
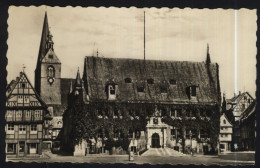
{"x":157,"y":113}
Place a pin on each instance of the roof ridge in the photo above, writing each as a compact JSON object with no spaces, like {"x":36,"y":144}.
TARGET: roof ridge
{"x":139,"y":59}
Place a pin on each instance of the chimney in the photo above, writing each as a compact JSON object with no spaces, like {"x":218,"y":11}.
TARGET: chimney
{"x":239,"y":92}
{"x":17,"y":79}
{"x":234,"y":94}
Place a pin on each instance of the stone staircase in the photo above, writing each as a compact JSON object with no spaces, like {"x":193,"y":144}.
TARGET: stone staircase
{"x":162,"y":152}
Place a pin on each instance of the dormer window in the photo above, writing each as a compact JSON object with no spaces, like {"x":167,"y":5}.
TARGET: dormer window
{"x":140,"y":89}
{"x":128,"y":80}
{"x":111,"y":91}
{"x":193,"y":90}
{"x":172,"y":82}
{"x":150,"y":81}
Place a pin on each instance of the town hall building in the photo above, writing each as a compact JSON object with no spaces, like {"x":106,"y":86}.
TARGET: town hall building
{"x":149,"y":103}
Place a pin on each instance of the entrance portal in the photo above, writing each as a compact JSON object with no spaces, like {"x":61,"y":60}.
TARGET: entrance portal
{"x":155,"y":141}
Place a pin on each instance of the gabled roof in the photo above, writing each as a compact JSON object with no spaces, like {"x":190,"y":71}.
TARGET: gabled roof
{"x":238,"y":97}
{"x":249,"y":111}
{"x":226,"y":118}
{"x":98,"y":71}
{"x":14,"y":84}
{"x":10,"y":87}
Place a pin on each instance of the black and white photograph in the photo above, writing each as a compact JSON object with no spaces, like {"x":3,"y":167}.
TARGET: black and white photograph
{"x":131,"y":85}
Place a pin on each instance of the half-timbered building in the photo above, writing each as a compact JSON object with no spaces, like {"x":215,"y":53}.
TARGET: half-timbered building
{"x":27,"y":118}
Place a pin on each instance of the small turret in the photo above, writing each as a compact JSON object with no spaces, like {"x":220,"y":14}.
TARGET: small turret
{"x":224,"y":103}
{"x":78,"y":82}
{"x":208,"y":61}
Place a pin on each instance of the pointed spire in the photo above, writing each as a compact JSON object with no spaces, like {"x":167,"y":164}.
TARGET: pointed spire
{"x":78,"y":80}
{"x":71,"y":89}
{"x":45,"y":37}
{"x":224,"y":103}
{"x":208,"y":61}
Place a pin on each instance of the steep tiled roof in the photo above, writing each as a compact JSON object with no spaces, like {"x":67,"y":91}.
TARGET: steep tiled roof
{"x":98,"y":72}
{"x":10,"y":87}
{"x":249,"y":111}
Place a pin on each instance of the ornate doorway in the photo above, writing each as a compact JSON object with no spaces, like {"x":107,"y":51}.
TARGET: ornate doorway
{"x":155,"y":141}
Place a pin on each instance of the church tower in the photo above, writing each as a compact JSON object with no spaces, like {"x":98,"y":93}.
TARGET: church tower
{"x":48,"y":69}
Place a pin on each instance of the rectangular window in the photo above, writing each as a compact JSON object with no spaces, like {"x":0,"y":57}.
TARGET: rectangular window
{"x":10,"y":129}
{"x":11,"y":148}
{"x":100,"y":113}
{"x":130,"y":134}
{"x":140,"y":89}
{"x":178,"y":113}
{"x":112,"y":90}
{"x":23,"y":85}
{"x":172,"y":112}
{"x":173,"y":133}
{"x":9,"y":113}
{"x":193,"y":90}
{"x":116,"y":113}
{"x":137,"y":134}
{"x":27,"y":113}
{"x":155,"y":121}
{"x":19,"y":113}
{"x":188,"y":113}
{"x":37,"y":114}
{"x":22,"y":129}
{"x":178,"y":133}
{"x":163,"y":89}
{"x":26,"y":99}
{"x":20,"y":99}
{"x":33,"y":129}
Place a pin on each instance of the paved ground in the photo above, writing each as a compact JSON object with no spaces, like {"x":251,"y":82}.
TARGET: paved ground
{"x":227,"y":159}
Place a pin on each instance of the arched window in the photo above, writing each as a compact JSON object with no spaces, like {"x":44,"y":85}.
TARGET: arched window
{"x":224,"y":121}
{"x":51,"y":71}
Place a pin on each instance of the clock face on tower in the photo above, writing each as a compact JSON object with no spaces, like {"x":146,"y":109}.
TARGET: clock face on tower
{"x":51,"y":80}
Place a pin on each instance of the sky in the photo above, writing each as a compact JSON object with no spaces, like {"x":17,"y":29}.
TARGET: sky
{"x":171,"y":34}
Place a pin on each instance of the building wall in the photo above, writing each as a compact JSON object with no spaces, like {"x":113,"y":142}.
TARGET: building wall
{"x":145,"y":110}
{"x":32,"y":139}
{"x":50,"y":93}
